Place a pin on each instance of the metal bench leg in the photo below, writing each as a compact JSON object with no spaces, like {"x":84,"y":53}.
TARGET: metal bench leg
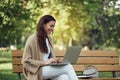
{"x":113,"y":74}
{"x":19,"y":76}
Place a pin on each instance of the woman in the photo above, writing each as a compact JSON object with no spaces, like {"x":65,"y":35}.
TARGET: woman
{"x":38,"y":53}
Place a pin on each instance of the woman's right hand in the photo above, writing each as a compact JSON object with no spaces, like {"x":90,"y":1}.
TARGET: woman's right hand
{"x":51,"y":60}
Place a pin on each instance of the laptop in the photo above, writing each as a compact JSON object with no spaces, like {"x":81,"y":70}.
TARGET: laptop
{"x":71,"y":56}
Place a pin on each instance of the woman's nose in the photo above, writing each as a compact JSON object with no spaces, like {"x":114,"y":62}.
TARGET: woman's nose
{"x":52,"y":28}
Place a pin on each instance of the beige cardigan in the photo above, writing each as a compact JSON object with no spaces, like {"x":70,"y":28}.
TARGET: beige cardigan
{"x":32,"y":59}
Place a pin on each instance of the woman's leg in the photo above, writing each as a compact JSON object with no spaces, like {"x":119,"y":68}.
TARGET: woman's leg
{"x":70,"y":71}
{"x":61,"y":77}
{"x":50,"y":72}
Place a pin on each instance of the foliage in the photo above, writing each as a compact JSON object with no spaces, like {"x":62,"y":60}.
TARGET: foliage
{"x":16,"y":18}
{"x":71,"y":25}
{"x":92,"y":23}
{"x":104,"y":21}
{"x":12,"y":15}
{"x":108,"y":18}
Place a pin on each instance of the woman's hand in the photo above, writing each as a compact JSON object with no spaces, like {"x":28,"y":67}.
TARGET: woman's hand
{"x":52,"y":60}
{"x":59,"y":60}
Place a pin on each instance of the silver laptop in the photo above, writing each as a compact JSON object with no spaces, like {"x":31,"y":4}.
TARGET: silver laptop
{"x":71,"y":55}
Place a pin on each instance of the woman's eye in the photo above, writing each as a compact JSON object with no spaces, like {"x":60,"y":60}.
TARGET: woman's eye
{"x":51,"y":26}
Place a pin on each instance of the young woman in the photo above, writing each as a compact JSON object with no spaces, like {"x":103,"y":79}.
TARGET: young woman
{"x":38,"y":53}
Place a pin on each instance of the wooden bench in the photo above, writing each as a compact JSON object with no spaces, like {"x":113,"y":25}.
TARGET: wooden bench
{"x":104,"y":61}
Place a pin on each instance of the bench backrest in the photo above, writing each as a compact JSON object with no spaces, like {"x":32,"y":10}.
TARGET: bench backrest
{"x":103,"y":60}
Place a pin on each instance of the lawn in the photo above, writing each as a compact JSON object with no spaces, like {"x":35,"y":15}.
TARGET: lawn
{"x":6,"y":68}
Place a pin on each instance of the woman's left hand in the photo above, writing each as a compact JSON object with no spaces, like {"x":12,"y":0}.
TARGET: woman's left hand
{"x":59,"y":60}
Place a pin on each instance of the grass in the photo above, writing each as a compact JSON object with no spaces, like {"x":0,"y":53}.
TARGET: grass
{"x":6,"y":68}
{"x":7,"y":75}
{"x":6,"y":72}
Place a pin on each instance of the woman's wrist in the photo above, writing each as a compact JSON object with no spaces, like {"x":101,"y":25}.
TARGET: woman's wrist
{"x":43,"y":64}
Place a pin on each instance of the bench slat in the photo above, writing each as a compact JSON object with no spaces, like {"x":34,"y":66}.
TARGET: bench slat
{"x":97,"y":60}
{"x":17,"y":53}
{"x":17,"y":68}
{"x":83,"y":53}
{"x":99,"y":53}
{"x":16,"y":60}
{"x":93,"y":53}
{"x":107,"y":68}
{"x":81,"y":60}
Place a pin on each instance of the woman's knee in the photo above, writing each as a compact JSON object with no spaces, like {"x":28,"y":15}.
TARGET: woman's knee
{"x":62,"y":77}
{"x":69,"y":66}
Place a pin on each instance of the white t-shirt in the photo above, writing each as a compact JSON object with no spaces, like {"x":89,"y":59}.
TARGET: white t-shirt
{"x":46,"y":55}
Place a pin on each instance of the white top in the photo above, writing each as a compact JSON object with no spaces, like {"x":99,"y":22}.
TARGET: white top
{"x":46,"y":55}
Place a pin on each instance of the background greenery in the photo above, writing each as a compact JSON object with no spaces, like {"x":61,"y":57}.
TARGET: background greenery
{"x":91,"y":23}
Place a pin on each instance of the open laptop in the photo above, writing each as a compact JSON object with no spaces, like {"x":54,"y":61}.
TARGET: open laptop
{"x":71,"y":56}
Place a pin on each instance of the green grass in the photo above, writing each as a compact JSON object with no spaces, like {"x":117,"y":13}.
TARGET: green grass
{"x":6,"y":54}
{"x":6,"y":68}
{"x":7,"y":75}
{"x":6,"y":71}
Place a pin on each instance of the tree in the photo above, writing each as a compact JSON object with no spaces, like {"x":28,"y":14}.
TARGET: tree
{"x":108,"y":18}
{"x":104,"y":21}
{"x":85,"y":22}
{"x":16,"y":21}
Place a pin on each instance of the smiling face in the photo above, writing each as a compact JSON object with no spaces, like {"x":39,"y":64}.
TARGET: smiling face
{"x":49,"y":27}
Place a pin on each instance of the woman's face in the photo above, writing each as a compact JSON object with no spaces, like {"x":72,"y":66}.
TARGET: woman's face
{"x":49,"y":27}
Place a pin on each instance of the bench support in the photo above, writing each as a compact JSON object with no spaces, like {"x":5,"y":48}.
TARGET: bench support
{"x":19,"y":76}
{"x":113,"y":74}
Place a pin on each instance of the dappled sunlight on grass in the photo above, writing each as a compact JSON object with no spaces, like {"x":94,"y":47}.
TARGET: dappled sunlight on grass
{"x":6,"y":54}
{"x":5,"y":66}
{"x":5,"y":60}
{"x":105,"y":74}
{"x":6,"y":72}
{"x":7,"y":75}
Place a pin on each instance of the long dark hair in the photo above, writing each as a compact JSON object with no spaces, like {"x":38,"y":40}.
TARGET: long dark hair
{"x":41,"y":34}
